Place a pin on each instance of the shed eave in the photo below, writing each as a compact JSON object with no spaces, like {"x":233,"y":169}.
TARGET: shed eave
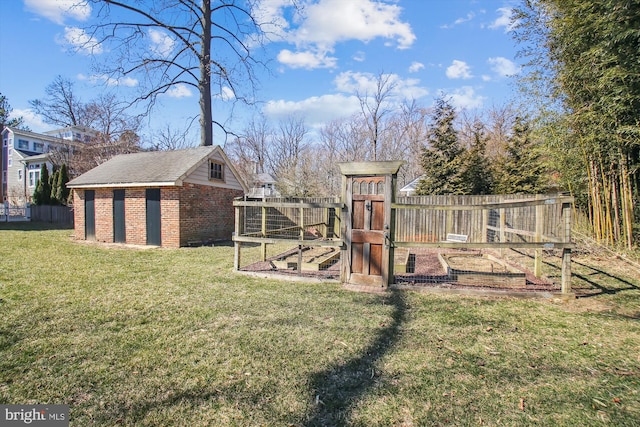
{"x":127,"y":185}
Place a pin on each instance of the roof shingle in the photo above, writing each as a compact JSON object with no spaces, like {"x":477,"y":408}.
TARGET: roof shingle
{"x":149,"y":167}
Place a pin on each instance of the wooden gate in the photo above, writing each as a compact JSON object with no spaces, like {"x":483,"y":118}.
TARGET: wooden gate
{"x":368,"y":191}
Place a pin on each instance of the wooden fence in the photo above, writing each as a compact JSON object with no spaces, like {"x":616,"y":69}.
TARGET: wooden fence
{"x":510,"y":221}
{"x":52,"y":214}
{"x":480,"y":222}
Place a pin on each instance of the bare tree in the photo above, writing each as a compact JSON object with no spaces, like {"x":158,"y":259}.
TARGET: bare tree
{"x":249,"y":151}
{"x":170,"y":138}
{"x":375,"y":107}
{"x":286,"y":150}
{"x":203,"y":44}
{"x":61,"y":107}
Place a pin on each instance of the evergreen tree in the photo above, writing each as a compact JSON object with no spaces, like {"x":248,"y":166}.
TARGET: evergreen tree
{"x":441,"y":159}
{"x":42,"y":193}
{"x":476,"y":173}
{"x":521,"y":168}
{"x":53,"y":180}
{"x":61,"y":190}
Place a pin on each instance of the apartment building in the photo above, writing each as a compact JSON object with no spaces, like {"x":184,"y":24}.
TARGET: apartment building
{"x":24,"y":153}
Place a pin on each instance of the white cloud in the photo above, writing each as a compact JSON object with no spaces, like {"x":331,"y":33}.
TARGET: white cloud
{"x":459,"y":21}
{"x":415,"y":67}
{"x":179,"y":91}
{"x":503,"y":67}
{"x":226,"y":94}
{"x":466,"y":98}
{"x":503,"y":20}
{"x":307,"y":59}
{"x":316,"y":110}
{"x":161,"y":43}
{"x":323,"y":24}
{"x":31,"y":119}
{"x":78,"y":40}
{"x":459,"y":70}
{"x":58,"y":10}
{"x":110,"y":81}
{"x":366,"y":83}
{"x":360,"y":56}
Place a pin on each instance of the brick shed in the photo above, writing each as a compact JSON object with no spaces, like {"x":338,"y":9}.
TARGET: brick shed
{"x":161,"y":198}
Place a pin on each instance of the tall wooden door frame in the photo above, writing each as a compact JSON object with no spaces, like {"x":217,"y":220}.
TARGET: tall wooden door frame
{"x":90,"y":214}
{"x":368,"y":192}
{"x":119,"y":223}
{"x":153,"y":216}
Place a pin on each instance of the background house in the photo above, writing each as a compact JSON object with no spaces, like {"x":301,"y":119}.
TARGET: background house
{"x":410,"y":188}
{"x":264,"y":185}
{"x":164,"y":198}
{"x":24,"y":153}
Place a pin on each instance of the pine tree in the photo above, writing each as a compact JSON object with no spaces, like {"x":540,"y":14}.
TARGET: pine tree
{"x":42,"y":193}
{"x":61,"y":190}
{"x":442,"y":156}
{"x":53,"y":180}
{"x":476,"y":173}
{"x":521,"y":169}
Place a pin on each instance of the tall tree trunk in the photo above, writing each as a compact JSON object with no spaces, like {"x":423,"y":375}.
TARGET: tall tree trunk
{"x":627,"y":200}
{"x":204,"y":85}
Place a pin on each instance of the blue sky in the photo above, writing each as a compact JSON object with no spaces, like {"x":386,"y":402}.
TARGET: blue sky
{"x":319,"y":62}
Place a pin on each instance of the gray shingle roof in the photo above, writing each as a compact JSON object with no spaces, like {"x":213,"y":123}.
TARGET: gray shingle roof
{"x":150,"y":167}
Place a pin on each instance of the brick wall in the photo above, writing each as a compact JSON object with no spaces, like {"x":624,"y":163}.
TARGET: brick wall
{"x":207,"y":213}
{"x":135,"y":216}
{"x":193,"y":213}
{"x":104,"y":215}
{"x":78,"y":214}
{"x":170,"y":217}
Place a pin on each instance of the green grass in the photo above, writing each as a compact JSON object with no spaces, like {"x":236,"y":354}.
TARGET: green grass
{"x":173,"y":337}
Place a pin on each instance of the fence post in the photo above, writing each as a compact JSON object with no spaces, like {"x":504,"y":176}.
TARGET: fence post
{"x":236,"y":245}
{"x":6,"y":211}
{"x":263,"y":231}
{"x":503,"y":226}
{"x":566,"y":252}
{"x":537,"y":264}
{"x":301,"y":220}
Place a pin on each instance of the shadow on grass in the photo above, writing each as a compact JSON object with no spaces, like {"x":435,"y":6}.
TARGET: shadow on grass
{"x":34,"y":226}
{"x":336,"y":390}
{"x":602,"y":288}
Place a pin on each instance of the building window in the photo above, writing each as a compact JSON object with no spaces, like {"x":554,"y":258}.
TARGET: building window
{"x":38,"y":146}
{"x":34,"y":177}
{"x":23,"y":144}
{"x":10,"y":156}
{"x":20,"y":175}
{"x":216,"y":170}
{"x":5,"y":141}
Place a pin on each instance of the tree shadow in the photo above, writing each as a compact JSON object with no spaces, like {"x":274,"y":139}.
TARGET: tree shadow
{"x":603,"y":289}
{"x":337,"y":389}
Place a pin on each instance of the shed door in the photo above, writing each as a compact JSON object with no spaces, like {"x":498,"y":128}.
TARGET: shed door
{"x":89,"y":215}
{"x":119,"y":233}
{"x":368,"y":231}
{"x":153,"y":216}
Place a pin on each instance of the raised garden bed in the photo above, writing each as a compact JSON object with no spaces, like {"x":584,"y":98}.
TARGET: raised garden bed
{"x":313,"y":259}
{"x":481,"y":269}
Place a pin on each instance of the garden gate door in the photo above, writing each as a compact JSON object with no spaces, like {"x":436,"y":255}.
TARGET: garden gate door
{"x":368,"y":191}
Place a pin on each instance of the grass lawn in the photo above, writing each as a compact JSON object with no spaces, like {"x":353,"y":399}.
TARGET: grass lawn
{"x":173,"y":337}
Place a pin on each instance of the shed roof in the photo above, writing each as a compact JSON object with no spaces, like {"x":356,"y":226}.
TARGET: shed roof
{"x":149,"y":168}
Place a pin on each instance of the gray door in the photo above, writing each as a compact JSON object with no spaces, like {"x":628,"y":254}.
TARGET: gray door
{"x":89,"y":215}
{"x":153,"y":216}
{"x":119,"y":233}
